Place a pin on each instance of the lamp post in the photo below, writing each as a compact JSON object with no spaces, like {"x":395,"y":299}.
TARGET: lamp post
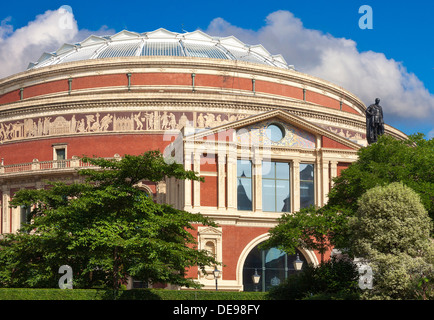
{"x":298,"y":263}
{"x":255,"y":279}
{"x":216,"y":275}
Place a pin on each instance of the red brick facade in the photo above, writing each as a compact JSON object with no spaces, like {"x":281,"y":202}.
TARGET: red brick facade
{"x":113,"y":107}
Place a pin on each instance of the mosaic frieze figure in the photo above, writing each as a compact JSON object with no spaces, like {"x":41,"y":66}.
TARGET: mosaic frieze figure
{"x":110,"y":122}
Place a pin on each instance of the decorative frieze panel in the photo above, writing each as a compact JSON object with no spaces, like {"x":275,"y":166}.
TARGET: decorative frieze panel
{"x":70,"y":124}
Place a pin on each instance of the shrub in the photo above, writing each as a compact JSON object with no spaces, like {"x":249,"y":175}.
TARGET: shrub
{"x":135,"y":294}
{"x":336,"y":278}
{"x":391,"y":231}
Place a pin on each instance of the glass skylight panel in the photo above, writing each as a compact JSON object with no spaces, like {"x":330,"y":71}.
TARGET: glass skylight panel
{"x":162,"y":48}
{"x":162,"y":43}
{"x":122,"y":49}
{"x":46,"y":62}
{"x":246,"y":56}
{"x":81,"y":54}
{"x":203,"y":51}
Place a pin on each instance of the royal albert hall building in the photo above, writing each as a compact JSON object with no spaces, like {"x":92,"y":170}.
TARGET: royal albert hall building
{"x":266,"y":138}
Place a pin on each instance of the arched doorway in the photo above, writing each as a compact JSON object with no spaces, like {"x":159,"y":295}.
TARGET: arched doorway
{"x":272,"y":265}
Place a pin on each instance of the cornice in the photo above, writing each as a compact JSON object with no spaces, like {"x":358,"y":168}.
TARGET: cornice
{"x":205,"y":100}
{"x":180,"y":102}
{"x":128,"y":64}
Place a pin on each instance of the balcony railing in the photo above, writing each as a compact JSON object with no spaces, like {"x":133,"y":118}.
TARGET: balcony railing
{"x":37,"y":165}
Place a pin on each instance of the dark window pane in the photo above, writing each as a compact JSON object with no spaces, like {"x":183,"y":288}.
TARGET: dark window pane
{"x":60,"y":153}
{"x":306,"y":171}
{"x":282,"y":195}
{"x":244,"y":168}
{"x":268,"y":195}
{"x":244,"y":194}
{"x":307,"y":187}
{"x":275,"y":258}
{"x":244,"y":187}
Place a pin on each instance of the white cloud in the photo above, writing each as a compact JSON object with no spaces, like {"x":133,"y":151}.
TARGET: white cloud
{"x":46,"y":33}
{"x":367,"y":74}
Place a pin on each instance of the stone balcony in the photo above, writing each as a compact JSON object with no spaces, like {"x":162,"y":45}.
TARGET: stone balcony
{"x":37,"y":167}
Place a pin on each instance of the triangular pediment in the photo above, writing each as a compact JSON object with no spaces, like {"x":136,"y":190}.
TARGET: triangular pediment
{"x":125,"y":35}
{"x":91,"y":40}
{"x":296,"y":132}
{"x":198,"y":36}
{"x":161,"y":33}
{"x":66,"y":47}
{"x":209,"y":231}
{"x":231,"y":41}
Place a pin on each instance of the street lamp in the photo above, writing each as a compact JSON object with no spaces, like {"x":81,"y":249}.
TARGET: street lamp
{"x":298,"y":263}
{"x":216,"y":275}
{"x":255,"y":279}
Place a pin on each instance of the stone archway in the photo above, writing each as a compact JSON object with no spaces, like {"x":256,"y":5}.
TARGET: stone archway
{"x":272,"y":265}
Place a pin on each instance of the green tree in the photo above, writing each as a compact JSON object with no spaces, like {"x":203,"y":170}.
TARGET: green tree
{"x":106,"y":229}
{"x":391,"y":231}
{"x":310,"y":228}
{"x":336,"y":278}
{"x":388,"y":160}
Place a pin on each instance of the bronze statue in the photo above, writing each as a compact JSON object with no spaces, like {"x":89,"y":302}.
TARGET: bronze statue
{"x":374,"y":122}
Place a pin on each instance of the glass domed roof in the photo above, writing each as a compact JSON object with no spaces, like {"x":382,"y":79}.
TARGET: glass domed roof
{"x":160,"y":43}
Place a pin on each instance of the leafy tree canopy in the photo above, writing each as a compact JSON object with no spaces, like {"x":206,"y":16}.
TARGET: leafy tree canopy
{"x":310,"y":228}
{"x":388,"y":160}
{"x":106,"y":229}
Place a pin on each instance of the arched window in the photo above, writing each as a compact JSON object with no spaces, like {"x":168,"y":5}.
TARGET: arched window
{"x":272,"y":265}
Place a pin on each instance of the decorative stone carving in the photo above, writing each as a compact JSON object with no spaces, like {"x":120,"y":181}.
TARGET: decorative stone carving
{"x":110,"y":122}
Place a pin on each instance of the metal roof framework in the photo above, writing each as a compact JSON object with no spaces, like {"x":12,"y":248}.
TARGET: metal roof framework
{"x":160,"y":42}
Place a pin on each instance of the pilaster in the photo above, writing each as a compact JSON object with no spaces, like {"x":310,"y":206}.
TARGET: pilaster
{"x":325,"y":181}
{"x":295,"y":186}
{"x":5,"y":209}
{"x":221,"y":176}
{"x":196,"y":184}
{"x":257,"y":181}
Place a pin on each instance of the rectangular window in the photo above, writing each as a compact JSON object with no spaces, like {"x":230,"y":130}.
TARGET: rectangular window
{"x":307,"y":188}
{"x":60,"y":154}
{"x":244,"y":185}
{"x":60,"y":157}
{"x":24,"y":214}
{"x":275,"y":186}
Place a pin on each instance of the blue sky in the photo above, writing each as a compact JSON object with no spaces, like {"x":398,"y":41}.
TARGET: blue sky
{"x":394,"y":60}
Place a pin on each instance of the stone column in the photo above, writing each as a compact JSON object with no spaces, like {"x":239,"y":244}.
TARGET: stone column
{"x":295,"y":192}
{"x":187,"y":183}
{"x":325,"y":181}
{"x":16,"y":219}
{"x":221,"y":178}
{"x":196,"y":184}
{"x":5,"y":209}
{"x":232,"y":177}
{"x":317,"y":180}
{"x":257,"y":182}
{"x":333,"y":171}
